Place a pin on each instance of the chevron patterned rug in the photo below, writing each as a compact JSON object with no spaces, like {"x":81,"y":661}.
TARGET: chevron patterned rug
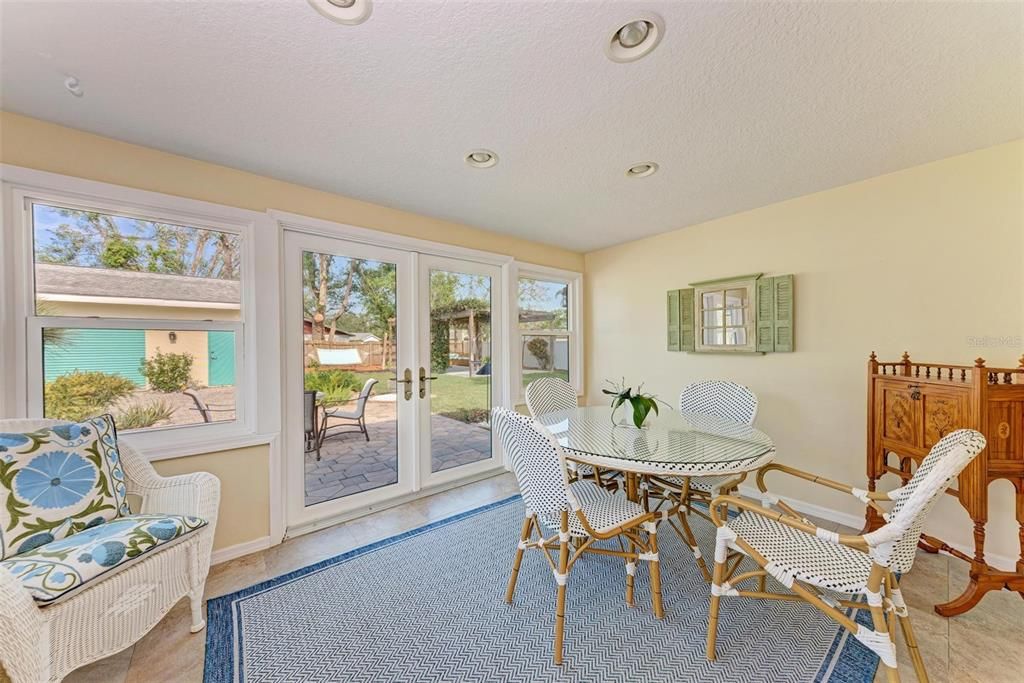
{"x":427,"y":605}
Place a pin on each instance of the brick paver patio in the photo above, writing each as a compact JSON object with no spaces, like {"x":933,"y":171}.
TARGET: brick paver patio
{"x":349,"y":463}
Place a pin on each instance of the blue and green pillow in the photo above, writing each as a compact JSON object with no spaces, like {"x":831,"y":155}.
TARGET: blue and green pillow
{"x":57,"y":481}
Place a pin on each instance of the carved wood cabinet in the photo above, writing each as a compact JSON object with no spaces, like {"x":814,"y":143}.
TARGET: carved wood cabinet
{"x":911,"y":406}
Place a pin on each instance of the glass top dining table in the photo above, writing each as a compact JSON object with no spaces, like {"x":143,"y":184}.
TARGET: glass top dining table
{"x":670,"y":444}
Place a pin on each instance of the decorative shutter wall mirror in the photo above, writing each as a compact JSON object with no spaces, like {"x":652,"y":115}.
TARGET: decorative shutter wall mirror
{"x":742,"y":314}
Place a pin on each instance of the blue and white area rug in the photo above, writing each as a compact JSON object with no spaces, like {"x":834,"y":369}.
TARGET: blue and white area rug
{"x":427,"y":605}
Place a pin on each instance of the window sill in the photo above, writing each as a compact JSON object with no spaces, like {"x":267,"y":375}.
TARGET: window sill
{"x":191,"y":447}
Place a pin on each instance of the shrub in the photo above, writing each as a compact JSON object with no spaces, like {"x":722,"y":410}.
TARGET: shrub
{"x":337,"y":386}
{"x":473,"y":416}
{"x":168,"y":372}
{"x":539,"y":349}
{"x":142,"y":415}
{"x":80,"y":395}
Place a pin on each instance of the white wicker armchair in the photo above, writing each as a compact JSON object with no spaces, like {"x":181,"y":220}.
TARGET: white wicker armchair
{"x":110,"y":613}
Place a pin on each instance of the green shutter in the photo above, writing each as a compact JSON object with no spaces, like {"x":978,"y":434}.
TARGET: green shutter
{"x":220,"y":346}
{"x":783,"y":312}
{"x":117,"y":352}
{"x":687,"y":326}
{"x":765,"y":315}
{"x":673,"y":320}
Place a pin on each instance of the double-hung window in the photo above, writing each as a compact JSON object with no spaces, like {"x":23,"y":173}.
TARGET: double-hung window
{"x":548,"y":340}
{"x":134,"y":311}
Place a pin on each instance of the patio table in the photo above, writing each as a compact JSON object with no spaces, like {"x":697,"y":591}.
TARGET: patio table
{"x":670,"y":445}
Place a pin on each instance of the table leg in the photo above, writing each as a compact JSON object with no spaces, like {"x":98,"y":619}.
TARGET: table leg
{"x":631,"y":487}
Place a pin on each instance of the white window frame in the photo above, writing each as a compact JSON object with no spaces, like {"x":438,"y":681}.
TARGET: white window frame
{"x":749,"y":320}
{"x":257,"y":419}
{"x":575,"y":332}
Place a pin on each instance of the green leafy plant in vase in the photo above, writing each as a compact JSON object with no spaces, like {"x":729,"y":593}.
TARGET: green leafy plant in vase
{"x":642,"y":404}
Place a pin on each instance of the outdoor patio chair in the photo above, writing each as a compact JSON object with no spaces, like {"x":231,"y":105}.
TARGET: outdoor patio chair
{"x":581,"y":512}
{"x":311,"y":423}
{"x":207,"y":411}
{"x":713,"y":398}
{"x":550,"y":395}
{"x":820,"y":566}
{"x":352,"y":420}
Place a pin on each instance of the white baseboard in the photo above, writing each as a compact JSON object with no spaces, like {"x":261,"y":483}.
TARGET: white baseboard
{"x":241,"y":549}
{"x":857,"y":521}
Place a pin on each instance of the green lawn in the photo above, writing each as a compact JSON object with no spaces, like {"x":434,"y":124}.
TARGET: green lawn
{"x":458,"y":396}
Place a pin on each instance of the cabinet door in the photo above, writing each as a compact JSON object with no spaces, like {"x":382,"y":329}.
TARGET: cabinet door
{"x":943,"y":410}
{"x":899,"y":414}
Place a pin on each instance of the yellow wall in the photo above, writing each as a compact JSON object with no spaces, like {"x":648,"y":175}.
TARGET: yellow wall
{"x":45,"y":146}
{"x":924,"y":260}
{"x":245,"y":490}
{"x":192,"y":342}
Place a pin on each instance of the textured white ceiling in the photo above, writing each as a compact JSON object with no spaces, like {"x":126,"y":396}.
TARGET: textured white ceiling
{"x":742,"y":105}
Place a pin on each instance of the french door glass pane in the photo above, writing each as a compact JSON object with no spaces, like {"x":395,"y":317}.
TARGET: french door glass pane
{"x":349,"y":390}
{"x":460,"y":360}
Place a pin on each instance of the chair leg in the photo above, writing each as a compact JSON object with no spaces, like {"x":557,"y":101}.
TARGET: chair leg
{"x":195,"y":601}
{"x":655,"y":568}
{"x":362,"y":426}
{"x":691,"y":540}
{"x":630,"y":571}
{"x":880,"y":626}
{"x":717,"y":579}
{"x":523,"y":538}
{"x":903,"y":616}
{"x":562,"y":578}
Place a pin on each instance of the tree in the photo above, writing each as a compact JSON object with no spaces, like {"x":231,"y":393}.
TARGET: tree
{"x":96,"y":240}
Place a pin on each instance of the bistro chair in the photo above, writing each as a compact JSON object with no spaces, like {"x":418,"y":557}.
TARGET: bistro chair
{"x":819,"y":566}
{"x":348,"y":417}
{"x":580,"y":512}
{"x":551,"y":395}
{"x":714,"y":398}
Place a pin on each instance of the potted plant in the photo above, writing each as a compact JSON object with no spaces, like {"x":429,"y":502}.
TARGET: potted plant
{"x":642,"y":404}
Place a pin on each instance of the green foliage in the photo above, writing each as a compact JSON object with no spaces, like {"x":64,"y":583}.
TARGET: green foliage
{"x":168,"y":372}
{"x":471,"y":416}
{"x":80,"y":395}
{"x":120,"y":254}
{"x":439,"y":359}
{"x":142,"y":415}
{"x":540,"y":349}
{"x":337,"y":386}
{"x":642,"y":404}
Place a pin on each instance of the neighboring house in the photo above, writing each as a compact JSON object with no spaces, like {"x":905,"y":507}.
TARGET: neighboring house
{"x":85,"y":292}
{"x":341,"y":336}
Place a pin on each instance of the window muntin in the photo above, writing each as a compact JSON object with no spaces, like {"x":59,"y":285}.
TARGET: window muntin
{"x":90,"y":263}
{"x":137,"y":317}
{"x":726,"y":317}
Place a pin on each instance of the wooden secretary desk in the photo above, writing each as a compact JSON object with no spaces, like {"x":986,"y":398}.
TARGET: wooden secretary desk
{"x":913,"y":405}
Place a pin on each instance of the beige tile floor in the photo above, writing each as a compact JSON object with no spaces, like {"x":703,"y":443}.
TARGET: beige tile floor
{"x":986,"y":645}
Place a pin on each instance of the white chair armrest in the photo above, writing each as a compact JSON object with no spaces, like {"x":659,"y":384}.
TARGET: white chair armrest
{"x":24,"y":647}
{"x":196,"y":493}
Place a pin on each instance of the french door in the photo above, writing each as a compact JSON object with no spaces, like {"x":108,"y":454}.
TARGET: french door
{"x":391,"y":380}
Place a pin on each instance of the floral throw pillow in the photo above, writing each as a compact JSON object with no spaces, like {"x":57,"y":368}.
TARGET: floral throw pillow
{"x":57,"y":481}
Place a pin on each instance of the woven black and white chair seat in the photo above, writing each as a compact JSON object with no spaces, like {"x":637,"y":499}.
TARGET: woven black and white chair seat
{"x":604,"y":509}
{"x":794,"y":554}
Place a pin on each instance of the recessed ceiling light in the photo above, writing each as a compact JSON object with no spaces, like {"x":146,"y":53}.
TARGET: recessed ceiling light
{"x":343,"y":11}
{"x":634,"y":39}
{"x":642,"y":170}
{"x":74,"y":86}
{"x":481,"y":158}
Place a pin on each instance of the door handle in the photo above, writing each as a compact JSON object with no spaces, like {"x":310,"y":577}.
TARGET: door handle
{"x":423,"y":381}
{"x":407,"y":381}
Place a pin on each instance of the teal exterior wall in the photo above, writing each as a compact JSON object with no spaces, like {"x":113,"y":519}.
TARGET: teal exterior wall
{"x":118,"y":352}
{"x":221,"y":349}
